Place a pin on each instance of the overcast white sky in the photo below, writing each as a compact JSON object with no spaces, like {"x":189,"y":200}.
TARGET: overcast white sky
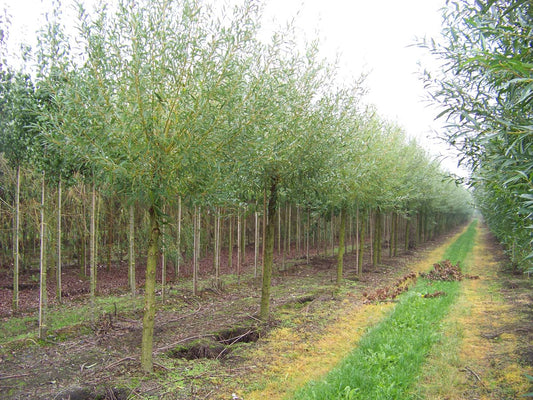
{"x":369,"y":36}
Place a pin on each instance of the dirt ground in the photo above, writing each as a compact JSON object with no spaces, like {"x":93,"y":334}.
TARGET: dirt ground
{"x":203,"y":344}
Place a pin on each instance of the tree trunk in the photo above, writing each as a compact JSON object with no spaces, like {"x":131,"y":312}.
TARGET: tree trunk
{"x":196,"y":249}
{"x":332,"y":231}
{"x":178,"y":244}
{"x":407,"y":231}
{"x":163,"y":264}
{"x":361,"y":247}
{"x":16,"y":239}
{"x":58,"y":268}
{"x":239,"y":244}
{"x":256,"y":242}
{"x":131,"y":258}
{"x":269,"y":248}
{"x":43,"y":301}
{"x":230,"y":244}
{"x":340,"y":253}
{"x":395,"y":236}
{"x":307,"y":258}
{"x":92,"y":262}
{"x":216,"y":259}
{"x":357,"y":246}
{"x":149,"y":295}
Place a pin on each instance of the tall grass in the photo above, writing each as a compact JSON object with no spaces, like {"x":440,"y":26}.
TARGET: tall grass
{"x":390,"y":356}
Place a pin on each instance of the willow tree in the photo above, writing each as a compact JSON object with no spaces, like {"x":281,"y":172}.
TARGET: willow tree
{"x":145,"y":105}
{"x":283,"y":147}
{"x":483,"y":88}
{"x":17,"y":116}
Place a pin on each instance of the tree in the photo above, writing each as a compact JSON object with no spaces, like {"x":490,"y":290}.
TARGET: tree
{"x":17,"y":117}
{"x":486,"y":96}
{"x":144,"y":108}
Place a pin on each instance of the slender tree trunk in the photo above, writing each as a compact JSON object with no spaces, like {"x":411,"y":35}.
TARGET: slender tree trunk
{"x":43,"y":301}
{"x":332,"y":231}
{"x":230,"y":244}
{"x":92,"y":262}
{"x":361,"y":247}
{"x":216,"y":260}
{"x":243,"y":239}
{"x":407,"y":232}
{"x":340,"y":253}
{"x":16,"y":239}
{"x":298,"y":232}
{"x":307,"y":258}
{"x":163,"y":264}
{"x":269,"y":248}
{"x":357,"y":238}
{"x":131,"y":258}
{"x":279,"y":233}
{"x":391,"y":236}
{"x":178,"y":244}
{"x":149,"y":295}
{"x":265,"y":211}
{"x":289,"y":228}
{"x":196,"y":249}
{"x":83,"y":267}
{"x":58,"y":268}
{"x":256,"y":242}
{"x":395,"y":236}
{"x":239,"y":244}
{"x":379,"y":233}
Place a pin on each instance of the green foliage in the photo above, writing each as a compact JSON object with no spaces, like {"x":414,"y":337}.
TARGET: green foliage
{"x":486,"y":94}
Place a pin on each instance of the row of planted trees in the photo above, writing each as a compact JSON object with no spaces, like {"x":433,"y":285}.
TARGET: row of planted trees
{"x":485,"y":91}
{"x":162,"y":118}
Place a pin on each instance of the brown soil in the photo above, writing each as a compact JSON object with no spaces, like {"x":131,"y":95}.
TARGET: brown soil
{"x":102,"y":359}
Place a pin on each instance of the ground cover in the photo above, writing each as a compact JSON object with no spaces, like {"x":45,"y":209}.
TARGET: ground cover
{"x":487,"y":346}
{"x":82,"y":355}
{"x":389,"y":357}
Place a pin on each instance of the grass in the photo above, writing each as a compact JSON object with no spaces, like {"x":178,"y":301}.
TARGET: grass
{"x":390,"y":356}
{"x":62,"y":316}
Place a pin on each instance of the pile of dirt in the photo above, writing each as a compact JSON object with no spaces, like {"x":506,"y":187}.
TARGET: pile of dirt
{"x":446,"y":271}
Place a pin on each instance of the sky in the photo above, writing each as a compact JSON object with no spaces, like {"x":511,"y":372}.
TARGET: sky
{"x":372,"y":37}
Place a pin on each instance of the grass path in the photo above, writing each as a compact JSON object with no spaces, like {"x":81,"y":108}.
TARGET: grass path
{"x":293,"y":362}
{"x":389,"y":358}
{"x":469,"y":363}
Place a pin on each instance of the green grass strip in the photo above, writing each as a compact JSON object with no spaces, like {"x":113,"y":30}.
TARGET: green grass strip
{"x":390,"y":356}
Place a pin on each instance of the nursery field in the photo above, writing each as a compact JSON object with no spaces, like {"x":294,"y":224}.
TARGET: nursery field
{"x":213,"y":345}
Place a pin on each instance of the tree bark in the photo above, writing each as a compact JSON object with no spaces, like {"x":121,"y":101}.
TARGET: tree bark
{"x":269,"y":248}
{"x":256,"y":242}
{"x":216,"y":259}
{"x":361,"y":247}
{"x":16,"y":239}
{"x":43,"y":301}
{"x":178,"y":244}
{"x":149,"y":295}
{"x":58,"y":268}
{"x":163,"y":264}
{"x":230,"y":243}
{"x":340,"y":253}
{"x":239,"y":244}
{"x":196,"y":248}
{"x":131,"y":258}
{"x":407,"y":231}
{"x":92,"y":262}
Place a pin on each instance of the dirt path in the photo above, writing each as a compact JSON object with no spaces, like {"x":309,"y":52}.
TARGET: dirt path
{"x":292,"y":356}
{"x":488,"y":344}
